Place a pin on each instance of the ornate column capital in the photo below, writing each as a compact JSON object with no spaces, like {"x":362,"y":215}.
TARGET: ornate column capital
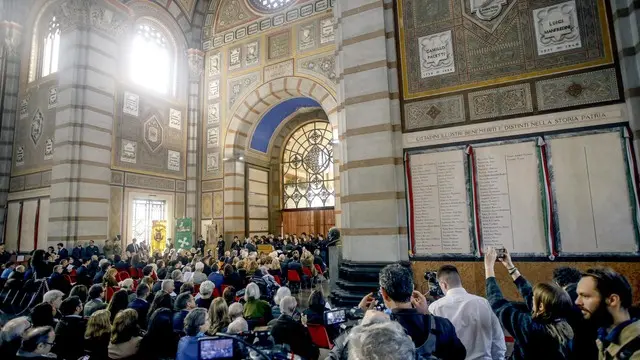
{"x":195,"y":57}
{"x":108,"y":16}
{"x":10,"y":38}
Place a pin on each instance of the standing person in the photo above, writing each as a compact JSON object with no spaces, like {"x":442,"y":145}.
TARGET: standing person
{"x":476,"y":325}
{"x":220,"y":247}
{"x":92,"y":249}
{"x":604,"y":297}
{"x":410,"y":309}
{"x":567,"y":278}
{"x":62,"y":252}
{"x":540,"y":331}
{"x":133,"y":247}
{"x":97,"y":335}
{"x":201,"y":244}
{"x":77,"y":252}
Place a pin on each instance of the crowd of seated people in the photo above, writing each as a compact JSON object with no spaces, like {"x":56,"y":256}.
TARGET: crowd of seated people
{"x":151,"y":307}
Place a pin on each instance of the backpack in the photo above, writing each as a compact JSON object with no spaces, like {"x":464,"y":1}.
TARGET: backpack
{"x":629,"y":349}
{"x":426,"y":351}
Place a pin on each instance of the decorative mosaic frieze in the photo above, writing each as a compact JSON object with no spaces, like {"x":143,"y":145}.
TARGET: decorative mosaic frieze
{"x":149,"y":182}
{"x":240,"y":86}
{"x":211,"y":185}
{"x":441,"y":111}
{"x":503,"y":101}
{"x":580,"y":89}
{"x":323,"y":66}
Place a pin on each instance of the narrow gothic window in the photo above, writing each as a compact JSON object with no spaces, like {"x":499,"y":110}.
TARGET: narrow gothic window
{"x":307,"y":167}
{"x":151,"y":59}
{"x":50,"y":51}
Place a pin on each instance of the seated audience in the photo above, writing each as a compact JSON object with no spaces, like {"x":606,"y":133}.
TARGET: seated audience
{"x":109,"y":278}
{"x":184,"y":304}
{"x":96,"y":302}
{"x":54,"y":298}
{"x":80,"y":291}
{"x":476,"y":325}
{"x":37,"y":344}
{"x":125,"y":336}
{"x":218,"y":317}
{"x":195,"y":325}
{"x":238,"y":326}
{"x":97,"y":335}
{"x":127,"y":285}
{"x":229,"y":295}
{"x":103,"y":267}
{"x":216,"y":278}
{"x":58,"y":281}
{"x":161,"y":300}
{"x":288,"y":331}
{"x":43,"y":315}
{"x":236,"y":310}
{"x":385,"y":340}
{"x":254,"y":308}
{"x":187,"y":288}
{"x":70,"y":330}
{"x":205,"y":296}
{"x":8,"y":269}
{"x":160,"y":342}
{"x":176,"y":276}
{"x":198,"y":275}
{"x":11,"y":336}
{"x":280,"y":294}
{"x":232,"y":278}
{"x":141,"y":305}
{"x":540,"y":331}
{"x":119,"y":301}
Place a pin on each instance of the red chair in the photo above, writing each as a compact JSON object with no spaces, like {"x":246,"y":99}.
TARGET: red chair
{"x":141,"y":275}
{"x":223,"y":287}
{"x":123,"y":275}
{"x":196,"y":288}
{"x":307,"y":272}
{"x":68,"y":279}
{"x":133,"y":272}
{"x":318,"y":268}
{"x":277,"y":279}
{"x":72,"y":275}
{"x":294,"y":280}
{"x":135,"y":285}
{"x":109,"y":294}
{"x":216,"y":293}
{"x":118,"y":277}
{"x":319,"y":336}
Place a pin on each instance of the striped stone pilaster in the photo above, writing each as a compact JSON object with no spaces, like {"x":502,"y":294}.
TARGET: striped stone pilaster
{"x":10,"y":65}
{"x":196,"y":68}
{"x":626,"y":15}
{"x":370,"y":146}
{"x":234,"y":199}
{"x":81,"y":170}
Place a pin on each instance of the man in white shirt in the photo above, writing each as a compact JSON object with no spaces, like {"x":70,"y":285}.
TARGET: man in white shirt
{"x":476,"y":325}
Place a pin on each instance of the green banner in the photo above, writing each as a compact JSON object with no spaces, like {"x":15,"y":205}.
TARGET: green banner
{"x":184,"y":234}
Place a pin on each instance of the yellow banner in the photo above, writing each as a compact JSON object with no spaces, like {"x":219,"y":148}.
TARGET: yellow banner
{"x":158,"y":236}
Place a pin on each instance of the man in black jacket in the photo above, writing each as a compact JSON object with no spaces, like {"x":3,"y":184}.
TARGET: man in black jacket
{"x":83,"y":276}
{"x":70,"y":330}
{"x":62,"y":252}
{"x":410,"y":309}
{"x":76,"y":253}
{"x":141,"y":305}
{"x":288,"y":331}
{"x":91,"y":250}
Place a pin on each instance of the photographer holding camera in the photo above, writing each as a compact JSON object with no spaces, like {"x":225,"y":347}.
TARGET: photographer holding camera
{"x":433,"y":336}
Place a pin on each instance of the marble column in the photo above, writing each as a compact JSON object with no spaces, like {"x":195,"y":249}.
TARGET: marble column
{"x":196,"y":68}
{"x":625,"y":21}
{"x":81,"y":171}
{"x":11,"y":36}
{"x":234,"y":199}
{"x":373,"y":220}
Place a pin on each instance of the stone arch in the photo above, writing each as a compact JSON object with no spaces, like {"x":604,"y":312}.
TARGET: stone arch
{"x":250,"y":110}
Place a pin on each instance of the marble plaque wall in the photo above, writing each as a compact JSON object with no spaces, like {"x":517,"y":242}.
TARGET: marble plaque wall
{"x":150,"y":135}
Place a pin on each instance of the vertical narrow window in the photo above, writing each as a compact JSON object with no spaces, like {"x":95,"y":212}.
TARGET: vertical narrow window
{"x":51,"y":48}
{"x":150,"y":59}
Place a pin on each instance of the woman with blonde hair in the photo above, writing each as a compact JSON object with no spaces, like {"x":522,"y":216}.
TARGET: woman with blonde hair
{"x":109,"y":279}
{"x":98,"y":334}
{"x":125,"y":335}
{"x":218,"y":317}
{"x":274,"y":268}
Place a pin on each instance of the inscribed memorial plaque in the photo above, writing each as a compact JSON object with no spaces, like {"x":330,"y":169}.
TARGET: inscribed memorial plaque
{"x":557,"y":28}
{"x":592,"y":194}
{"x":439,"y":203}
{"x":436,"y":54}
{"x":509,"y":198}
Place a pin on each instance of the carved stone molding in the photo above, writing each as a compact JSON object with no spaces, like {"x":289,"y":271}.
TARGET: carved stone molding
{"x":11,"y":36}
{"x":195,"y":58}
{"x":109,"y":16}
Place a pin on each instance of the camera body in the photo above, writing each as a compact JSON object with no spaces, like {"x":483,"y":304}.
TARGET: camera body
{"x":434,"y":288}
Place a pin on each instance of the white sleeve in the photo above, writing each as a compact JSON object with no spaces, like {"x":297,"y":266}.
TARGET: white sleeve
{"x":498,"y":346}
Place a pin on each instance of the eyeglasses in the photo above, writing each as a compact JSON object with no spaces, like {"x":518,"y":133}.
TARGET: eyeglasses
{"x":50,"y":343}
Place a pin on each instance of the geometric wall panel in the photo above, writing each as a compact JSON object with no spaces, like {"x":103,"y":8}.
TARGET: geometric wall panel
{"x":434,"y":112}
{"x":580,"y":89}
{"x":503,"y":101}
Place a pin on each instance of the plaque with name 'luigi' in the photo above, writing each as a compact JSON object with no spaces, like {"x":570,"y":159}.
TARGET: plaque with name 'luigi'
{"x":557,"y":28}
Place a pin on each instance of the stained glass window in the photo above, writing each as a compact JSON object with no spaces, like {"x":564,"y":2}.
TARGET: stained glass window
{"x":307,"y":167}
{"x":270,"y":5}
{"x":50,"y":48}
{"x":151,"y":59}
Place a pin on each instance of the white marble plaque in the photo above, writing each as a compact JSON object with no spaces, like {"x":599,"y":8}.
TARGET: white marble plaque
{"x":20,"y":155}
{"x":307,"y":37}
{"x":278,"y":70}
{"x":213,"y":138}
{"x":212,"y":162}
{"x":557,"y":28}
{"x":440,"y":212}
{"x":235,"y":58}
{"x":327,"y":34}
{"x":214,"y":64}
{"x":24,"y":107}
{"x":592,"y":194}
{"x":487,"y":10}
{"x":175,"y":119}
{"x":48,"y":149}
{"x":436,"y":54}
{"x":131,"y":103}
{"x":214,"y":89}
{"x":53,"y":97}
{"x":252,"y":56}
{"x":128,"y":151}
{"x":509,"y":198}
{"x":213,"y":114}
{"x":173,"y":160}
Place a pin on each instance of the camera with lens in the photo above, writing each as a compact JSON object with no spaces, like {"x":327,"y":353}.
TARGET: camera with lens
{"x":255,"y":345}
{"x":434,"y":288}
